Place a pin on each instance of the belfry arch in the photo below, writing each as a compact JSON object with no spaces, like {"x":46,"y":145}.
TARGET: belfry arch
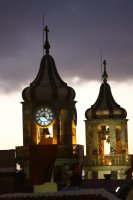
{"x":118,"y":130}
{"x":103,"y":139}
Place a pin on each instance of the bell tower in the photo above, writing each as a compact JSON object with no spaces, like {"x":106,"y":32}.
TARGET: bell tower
{"x":49,"y":118}
{"x":106,"y":136}
{"x":49,"y":106}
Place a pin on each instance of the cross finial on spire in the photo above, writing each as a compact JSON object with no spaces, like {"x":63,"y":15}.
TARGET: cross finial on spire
{"x":105,"y":75}
{"x":46,"y":30}
{"x":46,"y":45}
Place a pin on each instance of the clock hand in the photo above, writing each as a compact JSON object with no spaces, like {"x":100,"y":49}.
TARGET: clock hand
{"x":45,"y":116}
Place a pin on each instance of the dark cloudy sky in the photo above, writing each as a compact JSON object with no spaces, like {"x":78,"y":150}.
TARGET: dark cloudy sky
{"x":79,"y":30}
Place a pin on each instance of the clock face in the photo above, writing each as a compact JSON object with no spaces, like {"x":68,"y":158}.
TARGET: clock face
{"x":44,"y":116}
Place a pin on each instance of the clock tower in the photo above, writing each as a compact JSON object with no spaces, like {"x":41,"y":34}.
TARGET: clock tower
{"x":49,"y":118}
{"x":49,"y":106}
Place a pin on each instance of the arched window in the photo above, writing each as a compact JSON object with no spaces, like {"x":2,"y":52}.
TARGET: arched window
{"x":118,"y":140}
{"x":103,"y":139}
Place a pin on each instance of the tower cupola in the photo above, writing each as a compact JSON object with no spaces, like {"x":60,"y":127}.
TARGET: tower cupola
{"x":105,"y":105}
{"x":48,"y":85}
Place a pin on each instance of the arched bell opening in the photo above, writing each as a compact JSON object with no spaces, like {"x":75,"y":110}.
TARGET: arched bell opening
{"x":63,"y":125}
{"x":103,"y":139}
{"x":47,"y":135}
{"x":67,"y":124}
{"x":118,"y":140}
{"x":73,"y":132}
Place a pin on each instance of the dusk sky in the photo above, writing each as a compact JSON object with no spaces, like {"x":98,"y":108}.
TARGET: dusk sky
{"x":82,"y":32}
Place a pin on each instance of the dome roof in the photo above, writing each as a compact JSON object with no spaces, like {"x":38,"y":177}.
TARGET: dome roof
{"x":48,"y":85}
{"x":105,"y":105}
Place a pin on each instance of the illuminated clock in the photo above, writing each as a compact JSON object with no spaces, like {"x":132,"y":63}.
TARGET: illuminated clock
{"x":44,"y":116}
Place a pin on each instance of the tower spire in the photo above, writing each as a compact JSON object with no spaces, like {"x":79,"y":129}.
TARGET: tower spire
{"x":46,"y":45}
{"x":105,"y":75}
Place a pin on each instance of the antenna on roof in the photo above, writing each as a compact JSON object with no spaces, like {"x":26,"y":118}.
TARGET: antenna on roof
{"x":101,"y":61}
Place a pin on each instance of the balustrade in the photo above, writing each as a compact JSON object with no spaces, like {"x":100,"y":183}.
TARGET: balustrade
{"x":115,"y":160}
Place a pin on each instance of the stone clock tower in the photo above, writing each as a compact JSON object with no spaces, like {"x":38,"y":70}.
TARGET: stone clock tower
{"x":49,"y":119}
{"x":49,"y":107}
{"x":106,"y":136}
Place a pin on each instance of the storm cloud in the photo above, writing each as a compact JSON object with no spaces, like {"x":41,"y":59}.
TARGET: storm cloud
{"x":81,"y":33}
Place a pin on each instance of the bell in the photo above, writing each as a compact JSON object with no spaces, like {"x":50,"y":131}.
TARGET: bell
{"x":103,"y":136}
{"x":46,"y":132}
